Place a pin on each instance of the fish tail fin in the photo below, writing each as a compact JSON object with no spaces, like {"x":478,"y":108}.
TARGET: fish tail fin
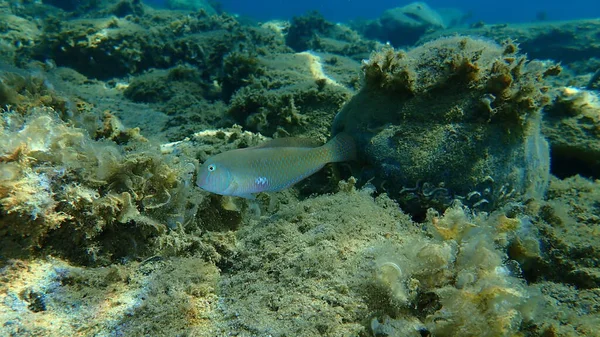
{"x":341,"y":148}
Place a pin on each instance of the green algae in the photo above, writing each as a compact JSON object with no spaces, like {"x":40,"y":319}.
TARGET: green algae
{"x":103,"y":232}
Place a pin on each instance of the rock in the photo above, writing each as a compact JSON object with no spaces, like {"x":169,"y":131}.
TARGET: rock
{"x":455,"y":118}
{"x":573,"y":43}
{"x":572,"y":125}
{"x":405,"y":25}
{"x":193,"y":5}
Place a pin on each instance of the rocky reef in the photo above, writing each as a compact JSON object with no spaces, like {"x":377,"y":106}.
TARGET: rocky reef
{"x":572,"y":125}
{"x":58,"y":184}
{"x":454,"y":118}
{"x":313,"y":32}
{"x":571,"y":42}
{"x":403,"y":26}
{"x":453,"y":224}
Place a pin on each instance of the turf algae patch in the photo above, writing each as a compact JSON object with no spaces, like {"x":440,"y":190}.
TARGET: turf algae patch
{"x":163,"y":297}
{"x":351,"y":264}
{"x":454,"y":118}
{"x":89,"y":201}
{"x":292,"y":95}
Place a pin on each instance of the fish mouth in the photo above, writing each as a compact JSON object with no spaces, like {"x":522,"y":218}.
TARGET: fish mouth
{"x":202,"y":182}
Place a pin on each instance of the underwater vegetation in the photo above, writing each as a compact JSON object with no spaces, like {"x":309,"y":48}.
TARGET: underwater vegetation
{"x":312,"y":32}
{"x":454,"y":118}
{"x":472,"y":210}
{"x":570,"y":42}
{"x":58,"y":184}
{"x":23,"y":90}
{"x":362,"y":261}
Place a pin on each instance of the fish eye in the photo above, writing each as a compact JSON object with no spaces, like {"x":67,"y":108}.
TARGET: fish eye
{"x":212,"y":167}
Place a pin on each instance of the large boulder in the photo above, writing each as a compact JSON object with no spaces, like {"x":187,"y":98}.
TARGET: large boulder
{"x":405,"y":25}
{"x":454,"y":118}
{"x":191,"y":5}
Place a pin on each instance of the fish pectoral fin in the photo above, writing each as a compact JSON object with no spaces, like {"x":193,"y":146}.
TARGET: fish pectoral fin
{"x":247,"y":196}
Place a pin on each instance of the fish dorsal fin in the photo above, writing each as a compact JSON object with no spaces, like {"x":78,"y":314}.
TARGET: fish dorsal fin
{"x":290,"y":142}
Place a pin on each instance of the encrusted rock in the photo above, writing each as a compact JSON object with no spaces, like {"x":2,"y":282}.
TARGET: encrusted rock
{"x":455,"y":118}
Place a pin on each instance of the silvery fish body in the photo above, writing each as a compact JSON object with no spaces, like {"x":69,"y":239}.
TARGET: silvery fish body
{"x":273,"y":166}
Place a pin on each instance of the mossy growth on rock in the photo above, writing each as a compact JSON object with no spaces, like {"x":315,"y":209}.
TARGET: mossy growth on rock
{"x":454,"y":118}
{"x":89,"y":201}
{"x":303,"y":29}
{"x":489,"y":82}
{"x":21,"y":91}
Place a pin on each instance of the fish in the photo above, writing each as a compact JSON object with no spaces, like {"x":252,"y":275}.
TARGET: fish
{"x":272,"y":166}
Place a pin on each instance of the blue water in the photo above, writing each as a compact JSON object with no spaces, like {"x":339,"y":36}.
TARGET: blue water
{"x":485,"y":10}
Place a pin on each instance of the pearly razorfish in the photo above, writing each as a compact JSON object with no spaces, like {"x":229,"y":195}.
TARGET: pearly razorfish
{"x":270,"y":167}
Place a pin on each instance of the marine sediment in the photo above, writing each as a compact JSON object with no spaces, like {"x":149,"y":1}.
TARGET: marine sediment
{"x":108,"y":108}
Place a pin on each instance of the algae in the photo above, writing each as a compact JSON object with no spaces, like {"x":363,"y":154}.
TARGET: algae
{"x":103,"y":232}
{"x":452,"y":106}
